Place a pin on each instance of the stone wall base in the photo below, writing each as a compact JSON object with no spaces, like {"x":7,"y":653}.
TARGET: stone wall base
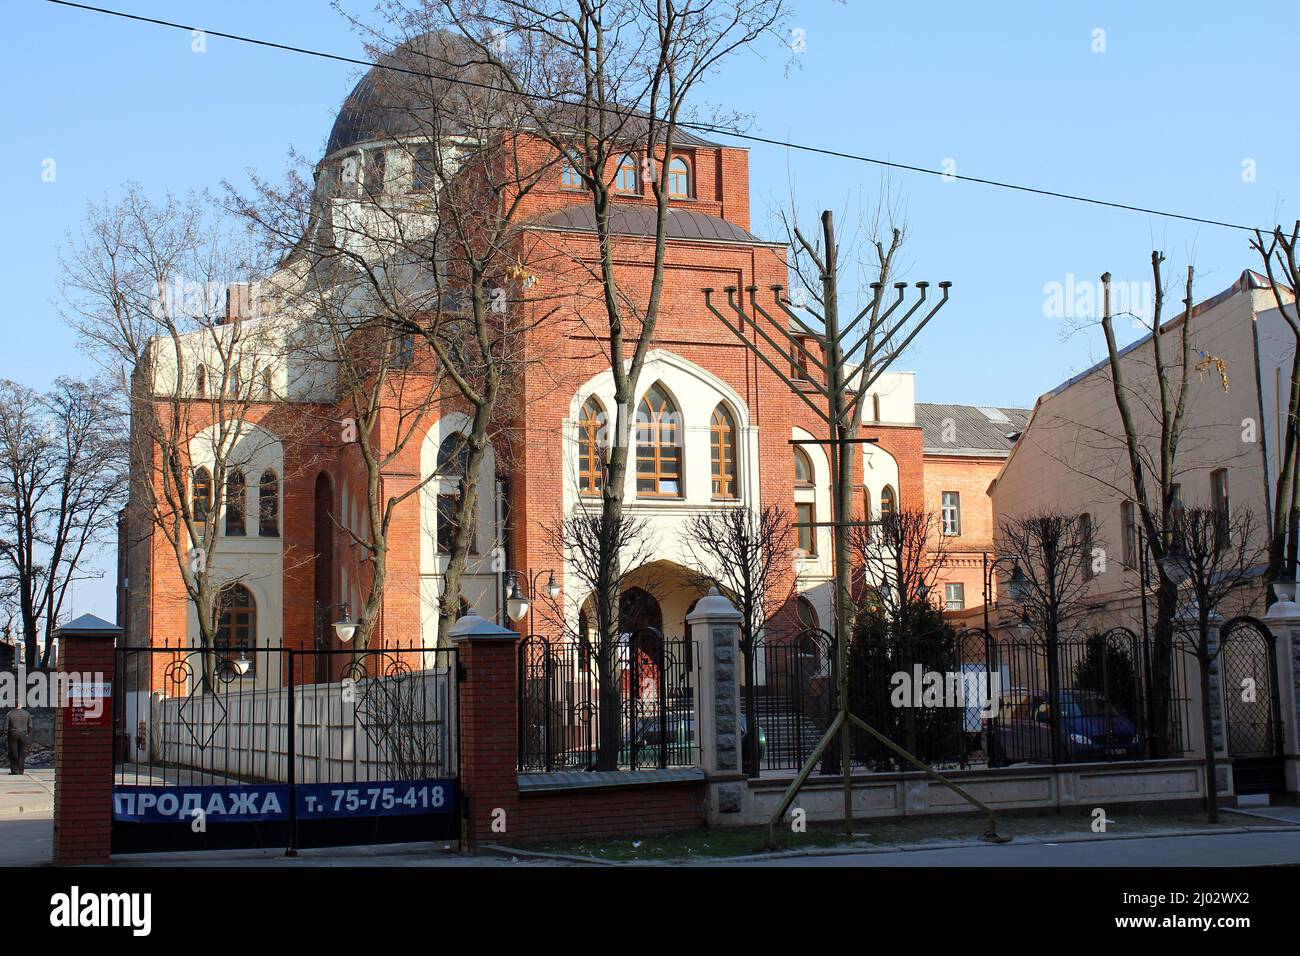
{"x":1168,"y":784}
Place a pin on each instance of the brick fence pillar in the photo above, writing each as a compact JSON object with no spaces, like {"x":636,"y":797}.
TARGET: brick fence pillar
{"x":83,"y":743}
{"x":715,"y":629}
{"x":489,"y":728}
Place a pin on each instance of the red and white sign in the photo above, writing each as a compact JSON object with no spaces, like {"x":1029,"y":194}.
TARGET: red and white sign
{"x":88,"y":703}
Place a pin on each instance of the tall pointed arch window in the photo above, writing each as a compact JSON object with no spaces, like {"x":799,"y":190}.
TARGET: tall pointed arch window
{"x":888,"y":501}
{"x":268,"y":505}
{"x":591,"y":459}
{"x":201,"y":494}
{"x":805,"y":504}
{"x":453,"y":455}
{"x":658,"y":446}
{"x":236,"y":507}
{"x":722,"y":450}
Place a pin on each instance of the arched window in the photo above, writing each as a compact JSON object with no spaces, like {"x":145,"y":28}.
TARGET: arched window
{"x":591,"y":459}
{"x":722,"y":448}
{"x":236,"y":621}
{"x":875,"y":407}
{"x":866,"y":504}
{"x":803,"y":469}
{"x":679,"y":179}
{"x":888,"y":501}
{"x":627,"y":179}
{"x":570,"y":178}
{"x":201,"y":381}
{"x":236,"y":503}
{"x":267,"y":381}
{"x":453,"y":455}
{"x":806,"y":614}
{"x":805,"y":506}
{"x":201,"y":498}
{"x":376,"y":166}
{"x":658,"y":445}
{"x":268,"y":505}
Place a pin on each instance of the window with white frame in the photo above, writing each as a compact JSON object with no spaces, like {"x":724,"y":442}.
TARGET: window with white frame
{"x":954,"y":596}
{"x":951,"y":513}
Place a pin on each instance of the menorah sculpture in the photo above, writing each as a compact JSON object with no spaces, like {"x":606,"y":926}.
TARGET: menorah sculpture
{"x":847,"y":373}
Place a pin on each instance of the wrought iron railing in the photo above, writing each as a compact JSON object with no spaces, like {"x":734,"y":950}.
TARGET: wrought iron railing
{"x":645,"y":685}
{"x":959,"y":699}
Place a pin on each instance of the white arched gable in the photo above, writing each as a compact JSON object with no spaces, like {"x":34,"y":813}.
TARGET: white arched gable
{"x":696,"y":392}
{"x":879,"y":468}
{"x":254,"y":561}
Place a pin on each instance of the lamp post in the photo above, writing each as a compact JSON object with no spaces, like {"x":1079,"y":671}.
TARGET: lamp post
{"x":517,"y":604}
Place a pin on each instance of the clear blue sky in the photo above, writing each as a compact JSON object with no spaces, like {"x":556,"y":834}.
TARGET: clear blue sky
{"x":1165,"y":117}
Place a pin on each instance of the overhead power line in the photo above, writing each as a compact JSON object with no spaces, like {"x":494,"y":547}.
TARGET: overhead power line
{"x":696,"y":126}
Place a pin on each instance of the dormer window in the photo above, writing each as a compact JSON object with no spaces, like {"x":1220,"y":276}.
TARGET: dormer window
{"x":679,"y":179}
{"x":570,"y":178}
{"x":627,"y":179}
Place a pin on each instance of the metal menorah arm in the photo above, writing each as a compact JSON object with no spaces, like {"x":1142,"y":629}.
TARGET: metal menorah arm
{"x":744,"y":340}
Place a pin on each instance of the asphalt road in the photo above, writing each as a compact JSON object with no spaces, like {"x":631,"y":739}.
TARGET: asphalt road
{"x":1226,"y":849}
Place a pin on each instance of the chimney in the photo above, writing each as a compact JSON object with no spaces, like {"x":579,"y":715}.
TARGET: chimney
{"x":239,"y":301}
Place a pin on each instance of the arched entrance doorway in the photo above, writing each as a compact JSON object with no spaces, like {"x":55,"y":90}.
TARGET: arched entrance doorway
{"x":641,"y":620}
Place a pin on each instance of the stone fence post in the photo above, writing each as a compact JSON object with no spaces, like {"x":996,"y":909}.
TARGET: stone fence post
{"x":1283,"y":619}
{"x":715,"y":629}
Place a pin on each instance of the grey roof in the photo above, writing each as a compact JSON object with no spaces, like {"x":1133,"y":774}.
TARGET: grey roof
{"x":971,"y":430}
{"x":416,"y":88}
{"x":405,"y":94}
{"x":637,"y":219}
{"x":88,"y":625}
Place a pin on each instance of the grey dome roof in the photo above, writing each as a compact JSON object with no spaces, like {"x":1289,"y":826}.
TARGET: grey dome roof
{"x":401,"y":96}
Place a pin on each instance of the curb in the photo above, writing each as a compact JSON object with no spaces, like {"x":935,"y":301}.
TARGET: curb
{"x":886,"y":848}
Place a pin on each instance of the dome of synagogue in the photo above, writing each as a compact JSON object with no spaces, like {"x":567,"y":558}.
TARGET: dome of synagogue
{"x":411,"y":92}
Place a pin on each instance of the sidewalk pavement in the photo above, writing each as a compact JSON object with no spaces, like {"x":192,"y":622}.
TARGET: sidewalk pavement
{"x":26,"y":817}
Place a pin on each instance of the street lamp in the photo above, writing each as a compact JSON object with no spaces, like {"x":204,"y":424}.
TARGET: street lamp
{"x":1174,"y":563}
{"x":518,"y":603}
{"x":343,"y":628}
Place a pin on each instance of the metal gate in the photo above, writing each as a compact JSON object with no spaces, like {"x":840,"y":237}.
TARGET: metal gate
{"x":268,"y":747}
{"x":1252,"y":713}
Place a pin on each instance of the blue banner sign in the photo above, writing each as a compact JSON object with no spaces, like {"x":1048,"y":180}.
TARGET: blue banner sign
{"x":242,"y":803}
{"x":328,"y":801}
{"x":258,"y":803}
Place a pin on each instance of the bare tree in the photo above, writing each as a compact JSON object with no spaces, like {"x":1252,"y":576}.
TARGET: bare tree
{"x":1153,"y":465}
{"x":601,"y":81}
{"x":746,"y":552}
{"x":62,"y":481}
{"x":1278,"y":253}
{"x":418,"y":295}
{"x":597,"y":555}
{"x":1215,"y":554}
{"x":900,"y":558}
{"x":146,"y":288}
{"x":1053,"y":552}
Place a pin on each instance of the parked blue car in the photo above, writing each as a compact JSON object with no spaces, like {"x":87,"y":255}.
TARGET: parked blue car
{"x":1089,"y":726}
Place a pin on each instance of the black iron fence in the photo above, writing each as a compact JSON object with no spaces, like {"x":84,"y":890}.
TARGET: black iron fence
{"x":648,"y":687}
{"x":963,"y":699}
{"x":188,"y":716}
